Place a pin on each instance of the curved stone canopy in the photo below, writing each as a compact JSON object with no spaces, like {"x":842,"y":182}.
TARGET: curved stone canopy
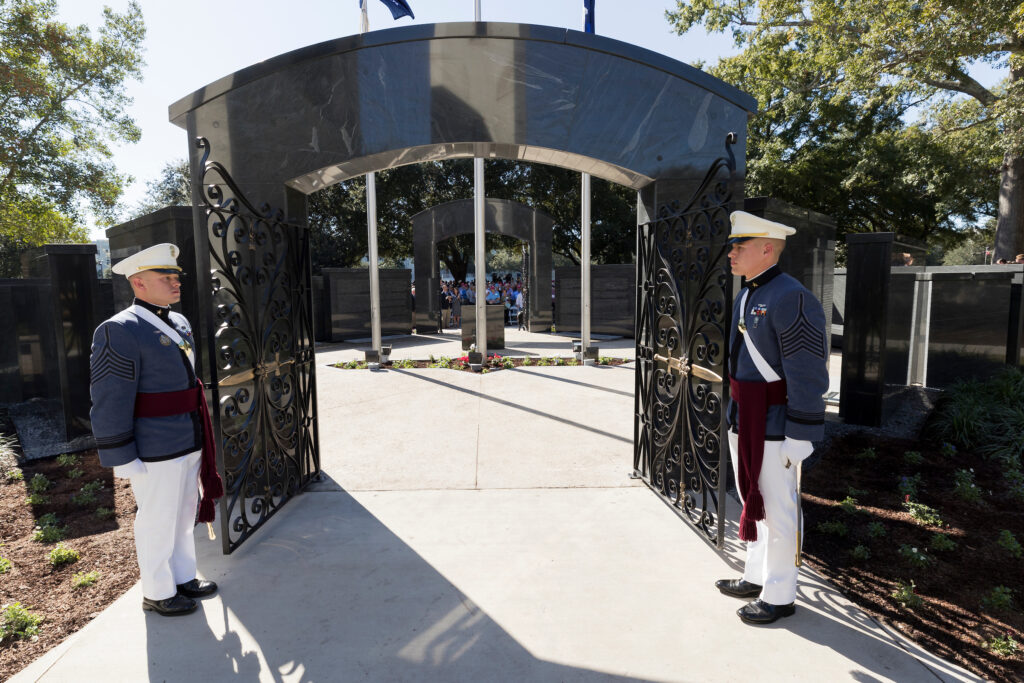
{"x":338,"y":109}
{"x":502,"y":217}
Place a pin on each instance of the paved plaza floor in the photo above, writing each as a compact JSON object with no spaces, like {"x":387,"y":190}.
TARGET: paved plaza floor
{"x":478,"y":527}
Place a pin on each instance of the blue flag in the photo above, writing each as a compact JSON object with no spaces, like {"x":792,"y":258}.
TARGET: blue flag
{"x":588,"y":16}
{"x":399,"y":8}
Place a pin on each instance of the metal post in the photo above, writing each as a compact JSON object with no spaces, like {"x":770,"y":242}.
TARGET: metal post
{"x":476,"y":10}
{"x":371,"y":240}
{"x":480,"y":255}
{"x":585,"y":265}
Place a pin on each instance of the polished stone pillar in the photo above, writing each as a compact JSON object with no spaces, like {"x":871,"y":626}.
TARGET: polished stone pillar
{"x":866,"y":312}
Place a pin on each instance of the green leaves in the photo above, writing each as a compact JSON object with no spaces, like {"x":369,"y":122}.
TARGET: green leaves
{"x":62,"y":104}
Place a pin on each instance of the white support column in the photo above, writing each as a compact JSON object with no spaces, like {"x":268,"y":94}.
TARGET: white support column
{"x":480,"y":256}
{"x":585,"y":264}
{"x":371,"y":240}
{"x":476,"y":10}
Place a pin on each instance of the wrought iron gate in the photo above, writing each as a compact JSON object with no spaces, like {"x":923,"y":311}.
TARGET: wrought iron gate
{"x":683,"y":315}
{"x":260,"y":351}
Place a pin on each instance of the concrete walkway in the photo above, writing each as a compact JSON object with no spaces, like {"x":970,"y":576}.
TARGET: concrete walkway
{"x":480,"y":528}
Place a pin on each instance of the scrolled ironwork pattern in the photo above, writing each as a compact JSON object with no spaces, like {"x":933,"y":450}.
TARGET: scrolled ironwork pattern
{"x":264,"y":384}
{"x":683,"y":311}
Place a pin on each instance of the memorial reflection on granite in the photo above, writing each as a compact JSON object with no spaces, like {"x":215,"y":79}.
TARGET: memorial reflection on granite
{"x":501,"y":217}
{"x":495,"y":326}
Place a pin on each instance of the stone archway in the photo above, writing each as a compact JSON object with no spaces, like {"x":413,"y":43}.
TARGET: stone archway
{"x":502,"y":217}
{"x":274,"y":132}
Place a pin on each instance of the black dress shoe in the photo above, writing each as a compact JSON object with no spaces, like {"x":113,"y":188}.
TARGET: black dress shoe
{"x":197,"y":588}
{"x":171,"y":607}
{"x":738,"y":588}
{"x":760,"y":612}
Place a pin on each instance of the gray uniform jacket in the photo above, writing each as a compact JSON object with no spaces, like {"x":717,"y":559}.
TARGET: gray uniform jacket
{"x":130,"y":355}
{"x":786,"y":323}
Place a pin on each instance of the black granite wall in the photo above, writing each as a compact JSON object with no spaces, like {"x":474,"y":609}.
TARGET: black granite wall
{"x":347,"y":302}
{"x":612,"y":299}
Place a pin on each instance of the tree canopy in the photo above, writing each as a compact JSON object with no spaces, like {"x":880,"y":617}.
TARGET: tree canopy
{"x":837,"y":83}
{"x":62,"y":104}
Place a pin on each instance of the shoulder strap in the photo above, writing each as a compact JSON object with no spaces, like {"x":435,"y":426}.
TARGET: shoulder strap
{"x":159,"y":324}
{"x":766,"y":370}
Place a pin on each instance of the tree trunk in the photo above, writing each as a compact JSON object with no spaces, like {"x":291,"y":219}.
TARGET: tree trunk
{"x":1010,"y":228}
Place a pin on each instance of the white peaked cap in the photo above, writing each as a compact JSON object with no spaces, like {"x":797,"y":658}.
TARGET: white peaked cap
{"x":746,"y":226}
{"x":161,"y":257}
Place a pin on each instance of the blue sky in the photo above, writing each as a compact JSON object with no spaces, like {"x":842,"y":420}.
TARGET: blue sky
{"x":190,"y":43}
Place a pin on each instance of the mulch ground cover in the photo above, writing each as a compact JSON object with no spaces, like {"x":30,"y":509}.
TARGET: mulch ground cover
{"x":950,"y":575}
{"x":103,"y":541}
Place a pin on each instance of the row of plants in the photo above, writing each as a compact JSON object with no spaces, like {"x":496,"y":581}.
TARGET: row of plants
{"x":16,"y":620}
{"x":493,"y":362}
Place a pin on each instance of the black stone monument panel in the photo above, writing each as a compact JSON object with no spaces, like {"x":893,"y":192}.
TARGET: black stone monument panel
{"x":495,"y":326}
{"x":612,"y":299}
{"x":898,"y":324}
{"x":868,"y":261}
{"x":348,"y":302}
{"x":969,"y":326}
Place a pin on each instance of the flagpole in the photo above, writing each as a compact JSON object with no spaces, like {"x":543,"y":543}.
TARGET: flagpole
{"x":476,"y":10}
{"x":588,"y":26}
{"x":371,"y":229}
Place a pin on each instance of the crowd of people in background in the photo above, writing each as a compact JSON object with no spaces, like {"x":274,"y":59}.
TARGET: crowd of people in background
{"x":501,"y":291}
{"x":1018,"y":260}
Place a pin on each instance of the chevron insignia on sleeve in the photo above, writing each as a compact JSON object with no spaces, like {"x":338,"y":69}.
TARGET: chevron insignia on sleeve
{"x":108,"y":362}
{"x":805,"y":418}
{"x":802,"y":335}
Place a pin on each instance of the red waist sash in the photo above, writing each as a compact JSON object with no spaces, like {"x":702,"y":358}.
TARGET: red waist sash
{"x":168,"y":403}
{"x":753,"y":399}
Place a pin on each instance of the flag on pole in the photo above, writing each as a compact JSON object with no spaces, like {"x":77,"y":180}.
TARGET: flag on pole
{"x":398,"y":8}
{"x":588,"y":16}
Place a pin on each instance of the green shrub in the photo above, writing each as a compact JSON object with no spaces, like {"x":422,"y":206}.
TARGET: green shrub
{"x":37,"y":499}
{"x":906,"y":595}
{"x":87,"y":494}
{"x":39,"y":484}
{"x":1004,"y":646}
{"x":941,"y":543}
{"x":909,"y":486}
{"x":877,"y":530}
{"x":948,"y":450}
{"x":1008,"y":542}
{"x":75,"y":473}
{"x":49,"y":534}
{"x":866,"y":454}
{"x":922,"y":513}
{"x":833,"y":528}
{"x":62,"y":555}
{"x":5,"y":565}
{"x":527,"y":361}
{"x":49,"y":519}
{"x":855,"y":492}
{"x":849,"y":505}
{"x":68,"y":460}
{"x":860,"y":553}
{"x":508,"y":363}
{"x":914,"y":557}
{"x":1015,"y":483}
{"x":999,"y":599}
{"x":14,"y":475}
{"x":913,"y":458}
{"x":85,"y":579}
{"x":18,"y":622}
{"x":104,"y":513}
{"x":964,"y":486}
{"x":405,"y":364}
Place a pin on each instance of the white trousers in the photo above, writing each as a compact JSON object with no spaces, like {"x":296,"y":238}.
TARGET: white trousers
{"x":771,"y":559}
{"x":167,"y":495}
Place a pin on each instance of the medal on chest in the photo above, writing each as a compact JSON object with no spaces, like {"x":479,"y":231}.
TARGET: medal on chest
{"x":759,"y":312}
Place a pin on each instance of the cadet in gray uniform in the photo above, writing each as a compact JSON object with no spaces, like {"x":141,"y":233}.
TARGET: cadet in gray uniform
{"x":778,"y":376}
{"x":148,"y":417}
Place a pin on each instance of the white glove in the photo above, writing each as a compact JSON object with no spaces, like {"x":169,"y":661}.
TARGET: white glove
{"x":795,"y":451}
{"x":129,"y":470}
